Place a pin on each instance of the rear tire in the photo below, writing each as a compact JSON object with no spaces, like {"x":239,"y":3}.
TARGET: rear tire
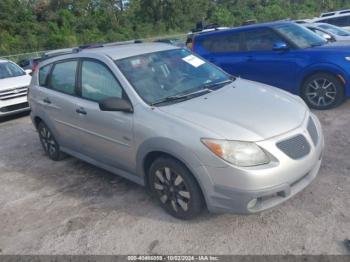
{"x":49,"y":143}
{"x":175,"y":188}
{"x":322,"y":91}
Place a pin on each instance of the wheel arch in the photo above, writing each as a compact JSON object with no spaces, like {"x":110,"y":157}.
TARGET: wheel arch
{"x":157,"y":147}
{"x":37,"y":120}
{"x":331,"y":69}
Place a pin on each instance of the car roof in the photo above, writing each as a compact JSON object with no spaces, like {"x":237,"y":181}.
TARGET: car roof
{"x":3,"y":60}
{"x":321,"y":23}
{"x":335,"y":13}
{"x":123,"y":51}
{"x":324,"y":18}
{"x":246,"y":27}
{"x":313,"y":25}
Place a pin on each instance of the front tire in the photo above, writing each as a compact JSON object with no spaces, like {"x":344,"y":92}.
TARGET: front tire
{"x":49,"y":143}
{"x":322,"y":91}
{"x":175,"y":188}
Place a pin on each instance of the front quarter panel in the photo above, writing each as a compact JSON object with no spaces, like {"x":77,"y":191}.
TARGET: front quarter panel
{"x":330,"y":63}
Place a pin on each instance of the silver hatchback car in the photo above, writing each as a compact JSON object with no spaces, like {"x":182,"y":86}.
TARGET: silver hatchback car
{"x":165,"y":118}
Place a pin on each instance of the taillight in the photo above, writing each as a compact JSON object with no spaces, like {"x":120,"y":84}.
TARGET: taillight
{"x":34,"y":67}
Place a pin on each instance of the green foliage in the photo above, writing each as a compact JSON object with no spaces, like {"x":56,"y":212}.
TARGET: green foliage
{"x":30,"y":25}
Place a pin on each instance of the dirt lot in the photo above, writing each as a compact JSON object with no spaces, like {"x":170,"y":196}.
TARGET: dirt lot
{"x":71,"y":207}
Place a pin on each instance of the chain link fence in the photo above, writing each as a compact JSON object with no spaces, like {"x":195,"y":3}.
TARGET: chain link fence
{"x":22,"y":56}
{"x":18,"y":57}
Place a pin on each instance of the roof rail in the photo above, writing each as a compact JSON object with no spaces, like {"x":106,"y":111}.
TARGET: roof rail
{"x":249,"y":22}
{"x":333,"y":13}
{"x":59,"y":52}
{"x":78,"y":49}
{"x":90,"y":46}
{"x":201,"y":26}
{"x":136,"y":41}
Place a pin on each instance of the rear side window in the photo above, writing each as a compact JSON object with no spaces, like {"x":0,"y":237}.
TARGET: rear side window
{"x":222,"y":43}
{"x":43,"y":73}
{"x":261,"y":40}
{"x":98,"y":83}
{"x":63,"y":77}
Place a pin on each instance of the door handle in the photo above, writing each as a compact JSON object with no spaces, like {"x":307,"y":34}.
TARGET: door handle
{"x":81,"y":111}
{"x":46,"y":100}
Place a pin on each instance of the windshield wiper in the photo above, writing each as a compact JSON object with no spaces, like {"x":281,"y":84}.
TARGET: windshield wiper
{"x":216,"y":84}
{"x":182,"y":97}
{"x":206,"y":88}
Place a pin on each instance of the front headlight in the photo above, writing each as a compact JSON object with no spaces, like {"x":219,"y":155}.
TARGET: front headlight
{"x":239,"y":153}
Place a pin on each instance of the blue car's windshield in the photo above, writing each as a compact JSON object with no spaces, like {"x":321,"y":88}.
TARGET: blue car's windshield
{"x":160,"y":75}
{"x":8,"y":69}
{"x":334,"y":29}
{"x":300,"y":36}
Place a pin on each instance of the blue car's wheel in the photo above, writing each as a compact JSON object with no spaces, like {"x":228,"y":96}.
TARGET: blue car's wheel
{"x":322,"y":91}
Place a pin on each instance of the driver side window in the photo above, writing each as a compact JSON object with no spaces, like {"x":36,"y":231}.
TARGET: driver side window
{"x":98,"y":82}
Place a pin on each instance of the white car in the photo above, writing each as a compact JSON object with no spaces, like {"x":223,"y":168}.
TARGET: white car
{"x":329,"y":32}
{"x":14,"y":82}
{"x":339,"y":18}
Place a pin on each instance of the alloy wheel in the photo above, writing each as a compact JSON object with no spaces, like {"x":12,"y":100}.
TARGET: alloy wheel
{"x":321,"y":92}
{"x":48,"y":141}
{"x":172,"y":190}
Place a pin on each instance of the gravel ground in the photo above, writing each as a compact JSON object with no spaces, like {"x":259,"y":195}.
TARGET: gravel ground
{"x":71,"y":207}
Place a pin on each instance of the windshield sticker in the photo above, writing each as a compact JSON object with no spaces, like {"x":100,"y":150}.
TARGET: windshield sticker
{"x":193,"y":60}
{"x":136,"y":62}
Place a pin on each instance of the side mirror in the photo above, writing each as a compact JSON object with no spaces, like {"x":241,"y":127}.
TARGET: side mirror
{"x":116,"y":104}
{"x":280,"y":46}
{"x":28,"y":71}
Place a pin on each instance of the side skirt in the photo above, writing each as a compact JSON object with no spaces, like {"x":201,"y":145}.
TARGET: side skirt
{"x":130,"y":176}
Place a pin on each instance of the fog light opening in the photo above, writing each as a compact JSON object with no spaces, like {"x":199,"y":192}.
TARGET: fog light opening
{"x":252,"y":203}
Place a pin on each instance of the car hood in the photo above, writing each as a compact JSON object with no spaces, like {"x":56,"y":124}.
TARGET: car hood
{"x":14,"y":82}
{"x":344,"y":39}
{"x":244,"y":110}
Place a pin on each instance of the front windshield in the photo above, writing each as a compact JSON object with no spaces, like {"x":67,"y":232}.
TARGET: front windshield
{"x":159,"y":75}
{"x":8,"y":69}
{"x":300,"y":36}
{"x":334,"y":29}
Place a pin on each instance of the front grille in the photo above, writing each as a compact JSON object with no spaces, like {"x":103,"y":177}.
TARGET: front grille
{"x":14,"y":107}
{"x":13,"y":93}
{"x":311,"y":128}
{"x":295,"y":147}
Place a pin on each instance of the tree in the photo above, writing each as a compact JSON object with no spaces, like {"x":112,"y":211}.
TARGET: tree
{"x":31,"y":25}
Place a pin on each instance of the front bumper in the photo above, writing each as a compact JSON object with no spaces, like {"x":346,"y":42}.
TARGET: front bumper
{"x":237,"y":201}
{"x":13,"y":106}
{"x":251,"y":190}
